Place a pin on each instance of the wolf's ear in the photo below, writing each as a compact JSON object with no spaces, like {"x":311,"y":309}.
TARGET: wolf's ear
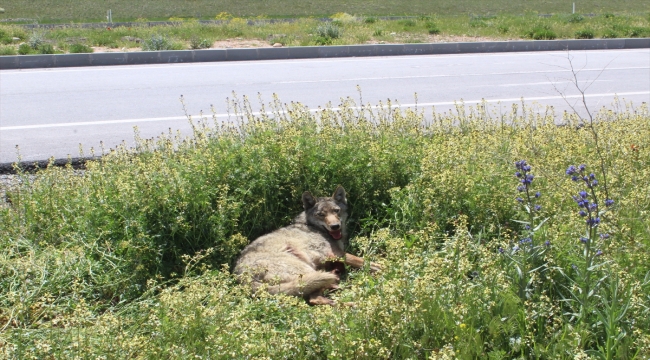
{"x":308,"y":200}
{"x":339,"y":195}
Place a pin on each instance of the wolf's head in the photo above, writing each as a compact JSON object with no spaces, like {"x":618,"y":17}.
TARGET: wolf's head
{"x":327,"y":213}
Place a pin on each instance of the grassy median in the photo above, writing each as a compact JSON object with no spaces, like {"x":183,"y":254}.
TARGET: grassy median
{"x":485,"y":256}
{"x":342,"y":29}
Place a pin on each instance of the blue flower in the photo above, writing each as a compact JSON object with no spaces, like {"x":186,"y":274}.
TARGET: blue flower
{"x":593,"y":222}
{"x":584,"y":240}
{"x":521,"y":188}
{"x":520,"y":200}
{"x":582,"y":213}
{"x":538,"y":207}
{"x":547,"y":243}
{"x":501,"y":251}
{"x":604,"y":236}
{"x":598,"y":253}
{"x":592,"y":176}
{"x":518,"y":174}
{"x":538,"y":194}
{"x":583,"y":194}
{"x":609,"y":202}
{"x":571,"y":170}
{"x":525,"y":240}
{"x":582,"y":167}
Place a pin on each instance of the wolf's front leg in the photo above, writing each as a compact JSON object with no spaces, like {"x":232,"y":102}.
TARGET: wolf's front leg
{"x":357,"y":262}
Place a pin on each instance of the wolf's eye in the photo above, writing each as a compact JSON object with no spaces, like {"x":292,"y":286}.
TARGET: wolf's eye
{"x":320,"y":214}
{"x":336,"y":210}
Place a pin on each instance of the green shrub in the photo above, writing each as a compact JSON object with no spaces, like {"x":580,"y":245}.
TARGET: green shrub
{"x":156,"y":43}
{"x":503,"y":29}
{"x":36,"y":39}
{"x":7,"y":50}
{"x":541,"y":32}
{"x":25,"y":49}
{"x":432,"y":28}
{"x":45,"y":49}
{"x":370,"y":20}
{"x":326,"y":33}
{"x":575,"y":18}
{"x":80,"y":48}
{"x":584,"y":34}
{"x":197,"y":43}
{"x":407,"y":23}
{"x":610,"y":34}
{"x":638,"y":31}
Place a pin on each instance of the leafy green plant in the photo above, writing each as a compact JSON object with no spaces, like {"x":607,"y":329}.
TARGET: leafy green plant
{"x":36,"y":39}
{"x":79,"y":48}
{"x":45,"y":49}
{"x":432,"y":28}
{"x":7,"y":50}
{"x":610,"y":34}
{"x":156,"y":43}
{"x":197,"y":43}
{"x":25,"y":49}
{"x":370,"y":20}
{"x":584,"y":34}
{"x":542,"y":32}
{"x":575,"y":18}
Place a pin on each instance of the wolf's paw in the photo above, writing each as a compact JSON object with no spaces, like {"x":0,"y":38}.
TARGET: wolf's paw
{"x":374,"y":267}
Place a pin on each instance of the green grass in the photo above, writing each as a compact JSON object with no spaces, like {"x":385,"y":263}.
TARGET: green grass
{"x":130,"y":258}
{"x":122,"y":10}
{"x":345,"y":29}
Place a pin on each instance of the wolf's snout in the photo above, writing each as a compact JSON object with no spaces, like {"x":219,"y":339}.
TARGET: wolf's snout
{"x":335,"y":226}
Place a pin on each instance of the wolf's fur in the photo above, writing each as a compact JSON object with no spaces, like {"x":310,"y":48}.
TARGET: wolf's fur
{"x":306,"y":257}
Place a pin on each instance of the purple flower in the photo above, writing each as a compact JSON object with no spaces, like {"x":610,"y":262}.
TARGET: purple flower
{"x":582,"y":167}
{"x":518,"y":174}
{"x":593,"y":222}
{"x":515,"y":248}
{"x":571,"y":170}
{"x":520,"y":200}
{"x":538,"y":207}
{"x":598,"y":253}
{"x":538,"y":194}
{"x":521,"y":188}
{"x":574,"y":178}
{"x":547,"y":243}
{"x":584,"y":240}
{"x":583,"y":194}
{"x":592,"y":176}
{"x":525,"y":240}
{"x":594,"y":183}
{"x":609,"y":202}
{"x":604,"y":236}
{"x":582,"y":213}
{"x":501,"y":251}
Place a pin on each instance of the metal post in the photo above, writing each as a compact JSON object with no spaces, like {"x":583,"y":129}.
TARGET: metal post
{"x":574,"y":8}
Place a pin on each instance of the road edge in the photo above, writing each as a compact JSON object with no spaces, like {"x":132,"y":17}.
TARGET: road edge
{"x":310,"y":52}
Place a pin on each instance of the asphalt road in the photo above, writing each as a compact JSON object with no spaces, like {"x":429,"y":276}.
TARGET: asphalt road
{"x":49,"y":112}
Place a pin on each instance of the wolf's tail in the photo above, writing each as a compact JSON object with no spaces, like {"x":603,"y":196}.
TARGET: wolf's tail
{"x":302,"y":285}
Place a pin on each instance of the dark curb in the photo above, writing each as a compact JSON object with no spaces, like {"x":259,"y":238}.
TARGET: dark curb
{"x":311,"y":52}
{"x":33,"y":166}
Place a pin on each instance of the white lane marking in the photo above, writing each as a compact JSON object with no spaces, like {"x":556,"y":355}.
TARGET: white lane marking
{"x":452,"y":75}
{"x":294,"y":61}
{"x":158,"y":119}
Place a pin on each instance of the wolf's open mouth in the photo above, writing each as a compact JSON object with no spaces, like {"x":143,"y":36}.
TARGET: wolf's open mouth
{"x":336,"y":234}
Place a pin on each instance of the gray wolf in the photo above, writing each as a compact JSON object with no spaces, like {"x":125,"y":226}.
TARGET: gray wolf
{"x":305,"y":258}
